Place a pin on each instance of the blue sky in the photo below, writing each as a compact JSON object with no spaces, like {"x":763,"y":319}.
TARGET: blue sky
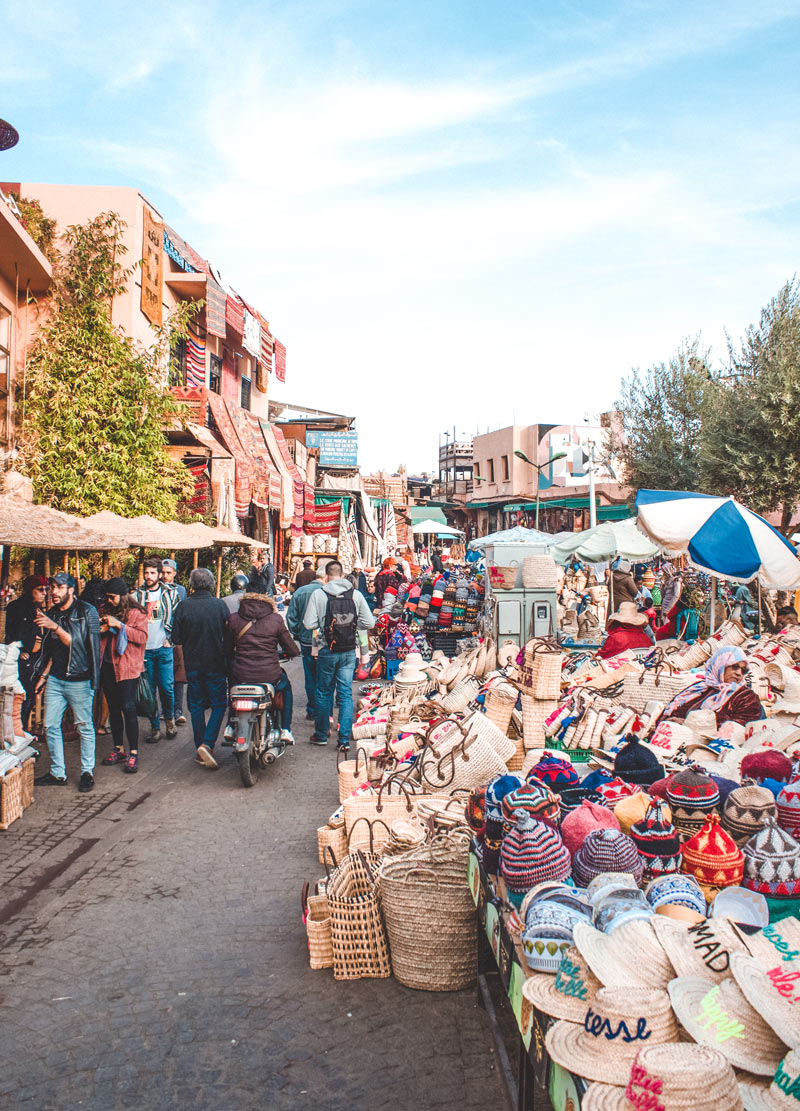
{"x":451,"y":213}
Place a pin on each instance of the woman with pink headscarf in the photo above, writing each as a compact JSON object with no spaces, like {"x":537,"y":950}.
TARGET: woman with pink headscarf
{"x":722,"y":689}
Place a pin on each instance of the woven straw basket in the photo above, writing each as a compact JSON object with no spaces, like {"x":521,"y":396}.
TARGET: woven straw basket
{"x":499,"y":702}
{"x":694,"y":655}
{"x":503,"y":578}
{"x":535,"y":713}
{"x":461,"y":695}
{"x":358,"y":936}
{"x":541,"y":669}
{"x":336,"y":839}
{"x":539,"y":573}
{"x":656,"y":684}
{"x":318,"y":929}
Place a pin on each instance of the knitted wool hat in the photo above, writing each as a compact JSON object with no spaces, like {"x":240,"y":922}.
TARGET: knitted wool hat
{"x":606,"y":850}
{"x":554,"y":773}
{"x":595,"y":779}
{"x":692,"y":796}
{"x":532,"y":852}
{"x":745,"y":810}
{"x":476,"y":810}
{"x":767,"y":763}
{"x":636,"y":763}
{"x":615,"y":790}
{"x":789,"y":807}
{"x":712,"y":857}
{"x":497,"y":790}
{"x":724,"y":786}
{"x":571,"y":797}
{"x":657,"y":841}
{"x":578,"y":823}
{"x":631,"y":809}
{"x":658,"y":790}
{"x":536,"y":799}
{"x":772,"y":862}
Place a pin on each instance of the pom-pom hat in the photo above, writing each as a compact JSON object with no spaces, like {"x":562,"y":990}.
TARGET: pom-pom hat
{"x":554,"y":773}
{"x":636,"y":763}
{"x":772,"y":862}
{"x":713,"y":858}
{"x":531,"y":853}
{"x":535,"y":799}
{"x":606,"y":850}
{"x":578,"y":823}
{"x":657,"y":841}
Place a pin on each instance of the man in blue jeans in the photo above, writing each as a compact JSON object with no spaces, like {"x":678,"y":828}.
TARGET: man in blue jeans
{"x":334,"y":616}
{"x":159,"y":600}
{"x":71,"y":647}
{"x":305,"y":637}
{"x":202,"y":626}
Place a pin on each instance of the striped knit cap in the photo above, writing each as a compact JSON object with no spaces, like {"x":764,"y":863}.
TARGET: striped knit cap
{"x":772,"y":862}
{"x":536,"y":799}
{"x":712,"y":856}
{"x":554,"y":773}
{"x":657,"y":842}
{"x":789,"y":807}
{"x":692,"y":796}
{"x":745,"y":810}
{"x":606,"y":850}
{"x":532,"y":853}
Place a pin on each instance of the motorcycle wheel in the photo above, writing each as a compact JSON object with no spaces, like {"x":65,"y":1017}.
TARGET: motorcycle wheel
{"x":248,"y":761}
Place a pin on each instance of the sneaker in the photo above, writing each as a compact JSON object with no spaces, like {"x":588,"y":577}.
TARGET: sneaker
{"x":287,"y":737}
{"x":50,"y":780}
{"x":180,"y":719}
{"x":315,"y":740}
{"x":86,"y":783}
{"x":172,"y":729}
{"x":205,"y":757}
{"x":115,"y":757}
{"x":343,"y":746}
{"x":154,"y":738}
{"x":131,"y":764}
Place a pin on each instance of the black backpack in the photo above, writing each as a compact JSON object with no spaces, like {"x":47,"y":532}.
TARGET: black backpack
{"x":340,"y":622}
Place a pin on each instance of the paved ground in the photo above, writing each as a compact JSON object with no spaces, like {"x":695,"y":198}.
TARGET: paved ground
{"x":153,"y":956}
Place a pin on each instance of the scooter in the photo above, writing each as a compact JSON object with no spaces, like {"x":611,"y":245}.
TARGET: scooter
{"x":257,"y":735}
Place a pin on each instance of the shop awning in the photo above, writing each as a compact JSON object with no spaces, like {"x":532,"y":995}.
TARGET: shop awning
{"x":425,"y":513}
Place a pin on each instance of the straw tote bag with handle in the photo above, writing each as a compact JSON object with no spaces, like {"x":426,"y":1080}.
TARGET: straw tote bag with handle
{"x":358,"y":935}
{"x":470,"y":764}
{"x":660,"y":681}
{"x":371,"y":805}
{"x":539,"y":573}
{"x":317,"y":919}
{"x":541,"y":669}
{"x":478,"y":723}
{"x":504,"y":578}
{"x":499,"y":701}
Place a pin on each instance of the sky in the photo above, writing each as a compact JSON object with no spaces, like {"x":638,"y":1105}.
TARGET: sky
{"x":453,"y":214}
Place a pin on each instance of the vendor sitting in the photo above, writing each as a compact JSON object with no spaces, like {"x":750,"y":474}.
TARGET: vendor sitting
{"x":722,"y":689}
{"x":627,"y":628}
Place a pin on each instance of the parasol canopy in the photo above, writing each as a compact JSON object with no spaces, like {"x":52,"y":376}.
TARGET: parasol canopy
{"x":605,"y":542}
{"x":436,"y":527}
{"x":516,"y":535}
{"x":719,"y":536}
{"x":40,"y":526}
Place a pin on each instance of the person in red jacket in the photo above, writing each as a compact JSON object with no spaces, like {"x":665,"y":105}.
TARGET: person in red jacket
{"x":123,"y":636}
{"x":626,"y":629}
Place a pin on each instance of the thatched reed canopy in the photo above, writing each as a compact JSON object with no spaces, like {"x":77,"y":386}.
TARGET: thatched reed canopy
{"x":39,"y":526}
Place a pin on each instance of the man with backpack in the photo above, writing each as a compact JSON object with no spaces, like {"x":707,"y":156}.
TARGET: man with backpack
{"x":335,"y":615}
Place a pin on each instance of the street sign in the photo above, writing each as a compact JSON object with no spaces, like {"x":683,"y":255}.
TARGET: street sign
{"x":513,"y":508}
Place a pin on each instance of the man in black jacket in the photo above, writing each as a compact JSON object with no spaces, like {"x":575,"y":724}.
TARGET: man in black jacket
{"x":202,"y":626}
{"x":71,"y":649}
{"x":21,"y":626}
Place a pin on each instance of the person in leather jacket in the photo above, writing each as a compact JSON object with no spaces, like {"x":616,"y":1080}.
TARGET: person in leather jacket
{"x":71,"y":649}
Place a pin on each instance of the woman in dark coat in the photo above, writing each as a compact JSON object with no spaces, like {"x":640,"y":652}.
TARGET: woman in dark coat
{"x":258,"y":630}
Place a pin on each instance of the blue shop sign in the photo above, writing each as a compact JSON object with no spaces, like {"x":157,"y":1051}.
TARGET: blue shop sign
{"x":336,"y":449}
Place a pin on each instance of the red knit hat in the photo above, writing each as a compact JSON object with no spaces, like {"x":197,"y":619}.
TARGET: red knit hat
{"x":615,"y":790}
{"x":581,"y":821}
{"x":712,"y":856}
{"x":767,"y":763}
{"x":658,"y":790}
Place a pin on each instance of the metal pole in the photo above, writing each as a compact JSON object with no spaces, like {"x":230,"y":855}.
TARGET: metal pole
{"x":713,"y":603}
{"x":592,"y":506}
{"x":538,"y":491}
{"x":759,"y":607}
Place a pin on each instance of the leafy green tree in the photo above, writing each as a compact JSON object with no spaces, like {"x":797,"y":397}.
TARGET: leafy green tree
{"x":40,"y":227}
{"x":751,"y":433}
{"x":96,"y":407}
{"x":660,"y":415}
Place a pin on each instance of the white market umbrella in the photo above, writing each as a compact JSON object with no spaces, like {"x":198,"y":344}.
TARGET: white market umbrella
{"x":719,"y":536}
{"x":436,"y":527}
{"x":605,"y":542}
{"x":517,"y":535}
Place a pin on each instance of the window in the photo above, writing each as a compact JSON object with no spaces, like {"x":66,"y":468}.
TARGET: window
{"x":5,"y":349}
{"x":215,"y":375}
{"x":177,"y":370}
{"x":506,"y":475}
{"x":491,"y":470}
{"x":245,"y":392}
{"x":477,"y":470}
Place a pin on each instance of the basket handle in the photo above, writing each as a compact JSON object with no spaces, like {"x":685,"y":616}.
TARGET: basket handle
{"x":325,"y":852}
{"x":371,"y":823}
{"x":304,"y":900}
{"x":403,"y":789}
{"x":342,"y":752}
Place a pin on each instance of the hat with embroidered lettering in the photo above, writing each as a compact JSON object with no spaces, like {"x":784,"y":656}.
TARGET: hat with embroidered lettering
{"x":567,"y":994}
{"x":703,"y":949}
{"x":617,"y":1023}
{"x":630,"y":956}
{"x":718,"y":1015}
{"x":775,"y":993}
{"x":781,"y":1094}
{"x":775,"y":943}
{"x":682,"y":1077}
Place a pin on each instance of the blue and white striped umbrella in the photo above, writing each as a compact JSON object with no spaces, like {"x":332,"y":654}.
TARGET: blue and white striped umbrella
{"x":719,"y":536}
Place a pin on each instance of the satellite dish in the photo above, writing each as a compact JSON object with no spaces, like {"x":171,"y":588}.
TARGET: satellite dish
{"x":9,"y":136}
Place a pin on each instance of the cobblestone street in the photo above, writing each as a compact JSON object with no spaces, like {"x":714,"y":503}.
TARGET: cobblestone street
{"x":153,"y":954}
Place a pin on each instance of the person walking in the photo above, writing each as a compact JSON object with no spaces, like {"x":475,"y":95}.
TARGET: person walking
{"x":123,"y":635}
{"x":21,"y":626}
{"x":238,"y":588}
{"x":262,"y":575}
{"x":335,"y":615}
{"x":305,"y":637}
{"x":202,"y":626}
{"x":257,"y":631}
{"x":169,"y":574}
{"x":71,"y":651}
{"x":306,"y":576}
{"x":159,"y":601}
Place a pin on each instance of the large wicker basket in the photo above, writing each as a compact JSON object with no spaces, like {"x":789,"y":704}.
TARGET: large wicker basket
{"x":358,"y":935}
{"x":11,"y":797}
{"x":541,"y":669}
{"x":317,"y":917}
{"x":539,"y":573}
{"x":503,"y":578}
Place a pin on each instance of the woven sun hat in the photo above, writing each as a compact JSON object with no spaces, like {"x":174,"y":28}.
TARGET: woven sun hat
{"x":774,"y":993}
{"x":703,"y":723}
{"x":788,"y":807}
{"x":535,"y":799}
{"x":676,"y":890}
{"x":786,"y":681}
{"x":780,"y":1094}
{"x":703,"y":949}
{"x":718,"y":1015}
{"x":620,"y":907}
{"x":630,"y":810}
{"x":605,"y":850}
{"x":616,"y":1025}
{"x":772,"y":862}
{"x":567,"y":994}
{"x":767,"y":763}
{"x":608,"y":882}
{"x":657,"y":841}
{"x":531,"y":853}
{"x":628,"y":614}
{"x":636,"y":763}
{"x":630,"y":956}
{"x":745,"y":810}
{"x":776,"y":943}
{"x":713,"y":858}
{"x":692,"y":796}
{"x":742,"y":907}
{"x":589,"y":816}
{"x":682,"y":1077}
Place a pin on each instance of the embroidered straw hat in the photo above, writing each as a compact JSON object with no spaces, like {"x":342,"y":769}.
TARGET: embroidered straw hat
{"x":682,"y":1077}
{"x":774,"y":993}
{"x":567,"y":994}
{"x":703,"y":949}
{"x":631,"y":956}
{"x":703,"y":723}
{"x":745,"y":810}
{"x":719,"y":1015}
{"x":780,"y":1094}
{"x":774,"y":944}
{"x":617,"y":1023}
